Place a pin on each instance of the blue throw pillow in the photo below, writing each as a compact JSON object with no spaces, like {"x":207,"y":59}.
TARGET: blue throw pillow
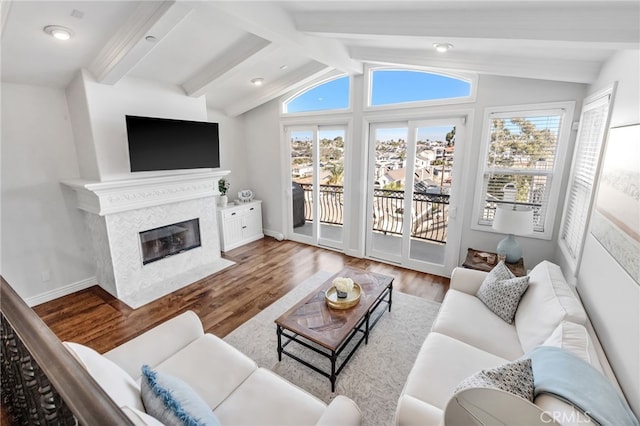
{"x":172,"y":401}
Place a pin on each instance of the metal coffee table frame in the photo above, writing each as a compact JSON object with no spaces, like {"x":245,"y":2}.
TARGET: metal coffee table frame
{"x":364,"y":326}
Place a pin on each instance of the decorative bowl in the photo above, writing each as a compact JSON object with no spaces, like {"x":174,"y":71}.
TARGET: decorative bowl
{"x":352,"y":299}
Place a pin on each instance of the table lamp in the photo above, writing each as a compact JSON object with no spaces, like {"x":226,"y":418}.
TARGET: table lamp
{"x":511,"y":221}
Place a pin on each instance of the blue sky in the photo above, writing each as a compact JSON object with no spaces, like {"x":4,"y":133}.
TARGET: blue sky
{"x":331,"y":95}
{"x":394,"y":86}
{"x":424,"y":133}
{"x":388,"y":87}
{"x":433,"y":133}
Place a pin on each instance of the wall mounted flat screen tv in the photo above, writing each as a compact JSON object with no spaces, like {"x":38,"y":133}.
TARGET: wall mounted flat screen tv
{"x":166,"y":144}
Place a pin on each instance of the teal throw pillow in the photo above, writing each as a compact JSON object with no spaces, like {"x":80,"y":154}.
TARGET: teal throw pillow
{"x":172,"y":401}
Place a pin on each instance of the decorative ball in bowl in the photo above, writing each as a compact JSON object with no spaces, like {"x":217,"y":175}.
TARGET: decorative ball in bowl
{"x":343,"y":294}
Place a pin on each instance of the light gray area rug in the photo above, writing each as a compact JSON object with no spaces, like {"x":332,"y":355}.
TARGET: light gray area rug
{"x":375,"y":375}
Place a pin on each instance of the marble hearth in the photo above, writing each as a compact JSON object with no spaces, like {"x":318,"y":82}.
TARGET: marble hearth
{"x":116,"y":212}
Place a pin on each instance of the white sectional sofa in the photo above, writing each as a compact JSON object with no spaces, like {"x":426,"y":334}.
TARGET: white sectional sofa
{"x":231,"y":384}
{"x":468,"y":337}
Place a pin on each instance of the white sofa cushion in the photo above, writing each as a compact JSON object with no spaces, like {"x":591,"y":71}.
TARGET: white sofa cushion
{"x":415,"y":412}
{"x":172,"y":401}
{"x":464,"y":317}
{"x":212,"y":367}
{"x":140,"y":418}
{"x":442,"y":363}
{"x":266,"y":399}
{"x":548,"y":301}
{"x":114,"y":380}
{"x":183,"y":329}
{"x":341,"y":410}
{"x":575,"y":339}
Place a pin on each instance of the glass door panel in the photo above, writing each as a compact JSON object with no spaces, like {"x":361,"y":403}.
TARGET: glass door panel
{"x":412,"y":220}
{"x":302,"y":175}
{"x":384,"y":239}
{"x":317,"y":184}
{"x":331,"y":185}
{"x":432,"y":171}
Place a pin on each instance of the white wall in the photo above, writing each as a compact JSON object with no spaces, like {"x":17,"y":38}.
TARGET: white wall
{"x":105,"y":107}
{"x":43,"y":244}
{"x":264,"y":145}
{"x":82,"y":130}
{"x":611,"y":296}
{"x":263,"y":160}
{"x":233,"y":149}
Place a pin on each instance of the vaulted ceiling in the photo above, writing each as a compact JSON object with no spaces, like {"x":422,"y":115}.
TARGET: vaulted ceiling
{"x":215,"y":48}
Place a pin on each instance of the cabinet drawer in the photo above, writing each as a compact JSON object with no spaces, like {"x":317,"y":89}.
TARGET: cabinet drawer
{"x":230,"y":214}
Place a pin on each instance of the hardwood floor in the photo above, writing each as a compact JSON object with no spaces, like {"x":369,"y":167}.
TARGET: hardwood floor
{"x":265,"y":270}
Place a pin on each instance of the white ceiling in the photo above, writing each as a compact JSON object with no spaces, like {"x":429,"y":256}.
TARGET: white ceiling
{"x":214,"y":48}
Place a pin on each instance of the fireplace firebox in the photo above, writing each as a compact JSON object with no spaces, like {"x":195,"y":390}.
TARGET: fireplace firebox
{"x":164,"y":241}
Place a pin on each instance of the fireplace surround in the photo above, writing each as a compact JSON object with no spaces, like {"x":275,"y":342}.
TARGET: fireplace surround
{"x":117,"y":212}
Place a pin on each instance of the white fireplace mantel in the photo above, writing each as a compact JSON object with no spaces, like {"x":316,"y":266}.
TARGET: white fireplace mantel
{"x":119,"y":210}
{"x":103,"y":198}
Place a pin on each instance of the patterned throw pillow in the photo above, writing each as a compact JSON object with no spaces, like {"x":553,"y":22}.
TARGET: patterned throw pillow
{"x":515,"y":377}
{"x":172,"y":401}
{"x":501,"y":291}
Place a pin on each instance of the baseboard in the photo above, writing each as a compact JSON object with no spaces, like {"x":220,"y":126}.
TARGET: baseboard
{"x":61,"y":291}
{"x":275,"y":234}
{"x":354,"y":253}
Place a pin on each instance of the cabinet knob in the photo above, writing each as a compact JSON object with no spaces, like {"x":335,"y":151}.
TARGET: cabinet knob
{"x":251,"y":208}
{"x":232,"y":214}
{"x":244,"y":227}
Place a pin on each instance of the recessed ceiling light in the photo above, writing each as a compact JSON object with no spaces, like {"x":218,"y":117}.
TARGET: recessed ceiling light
{"x":257,"y":81}
{"x":58,"y":32}
{"x":443,"y":47}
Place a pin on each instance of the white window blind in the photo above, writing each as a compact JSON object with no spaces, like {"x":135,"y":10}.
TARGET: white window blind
{"x":588,"y":148}
{"x":520,"y":162}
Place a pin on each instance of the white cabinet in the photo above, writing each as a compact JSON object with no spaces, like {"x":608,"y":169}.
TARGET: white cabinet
{"x":240,"y":224}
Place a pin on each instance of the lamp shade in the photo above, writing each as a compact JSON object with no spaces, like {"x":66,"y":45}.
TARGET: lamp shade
{"x":512,"y":221}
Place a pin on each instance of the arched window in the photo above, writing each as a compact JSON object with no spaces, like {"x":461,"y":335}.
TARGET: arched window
{"x":396,"y":86}
{"x":328,"y":95}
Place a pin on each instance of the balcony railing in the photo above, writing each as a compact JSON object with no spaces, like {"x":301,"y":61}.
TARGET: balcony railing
{"x":429,"y":212}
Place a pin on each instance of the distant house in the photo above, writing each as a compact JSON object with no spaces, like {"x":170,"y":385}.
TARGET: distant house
{"x":301,"y":170}
{"x":448,"y":151}
{"x":424,"y":158}
{"x":396,"y":176}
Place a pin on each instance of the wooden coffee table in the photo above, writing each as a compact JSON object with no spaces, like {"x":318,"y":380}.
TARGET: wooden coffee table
{"x":327,"y":331}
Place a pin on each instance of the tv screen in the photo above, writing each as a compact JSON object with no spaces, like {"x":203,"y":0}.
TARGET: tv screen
{"x":166,"y":144}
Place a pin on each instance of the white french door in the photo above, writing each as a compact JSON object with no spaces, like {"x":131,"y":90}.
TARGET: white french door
{"x":412,"y":193}
{"x":316,"y":197}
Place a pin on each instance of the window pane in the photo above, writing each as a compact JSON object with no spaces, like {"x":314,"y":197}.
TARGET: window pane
{"x":331,"y":95}
{"x":587,"y":155}
{"x":398,"y":86}
{"x":521,"y":189}
{"x":519,"y":164}
{"x":523,"y":142}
